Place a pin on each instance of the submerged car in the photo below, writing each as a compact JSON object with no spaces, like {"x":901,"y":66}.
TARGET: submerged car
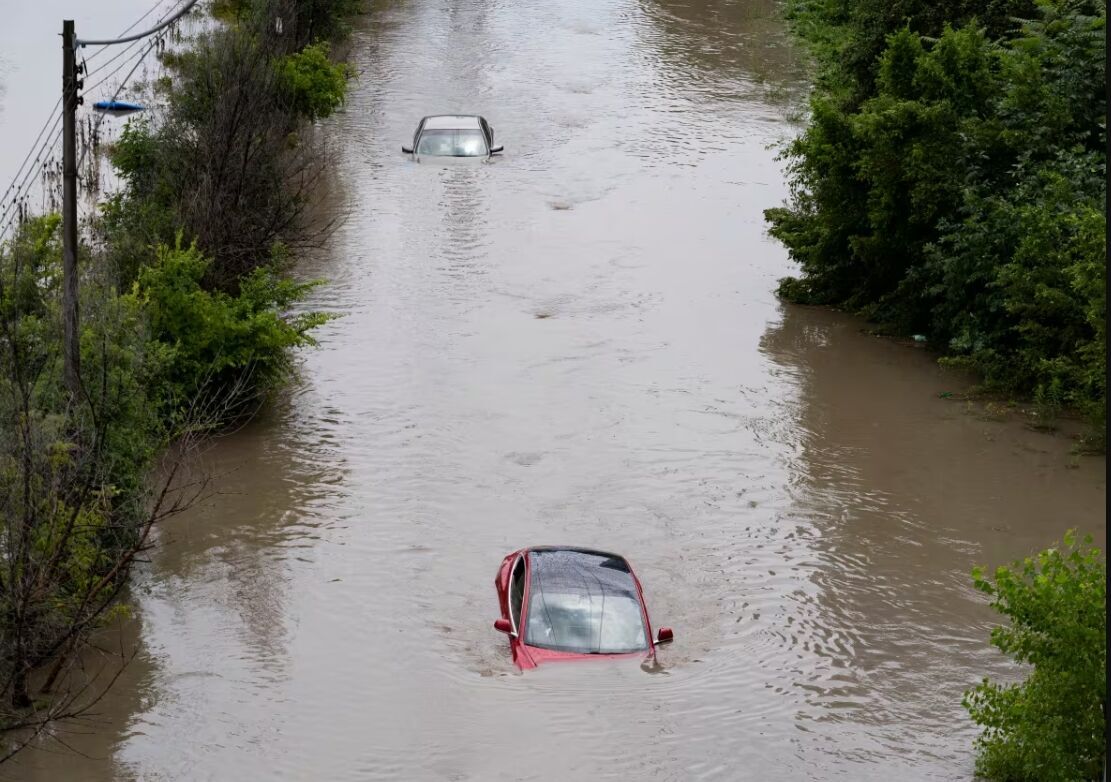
{"x":453,"y":135}
{"x":562,"y":603}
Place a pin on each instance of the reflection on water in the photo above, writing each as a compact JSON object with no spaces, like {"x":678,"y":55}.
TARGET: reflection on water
{"x":578,"y":343}
{"x":902,"y":493}
{"x":724,"y":49}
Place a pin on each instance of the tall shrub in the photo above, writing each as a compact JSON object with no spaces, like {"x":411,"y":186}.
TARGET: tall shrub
{"x":1050,"y":727}
{"x":950,"y":182}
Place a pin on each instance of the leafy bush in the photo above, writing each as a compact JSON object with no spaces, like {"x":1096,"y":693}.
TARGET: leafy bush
{"x":200,"y":331}
{"x":164,"y":363}
{"x":217,"y":344}
{"x":314,"y":85}
{"x":224,"y":162}
{"x":72,"y":470}
{"x":135,"y":220}
{"x":1049,"y":728}
{"x":951,"y":183}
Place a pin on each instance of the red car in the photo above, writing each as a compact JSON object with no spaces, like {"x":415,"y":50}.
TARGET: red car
{"x":563,"y":603}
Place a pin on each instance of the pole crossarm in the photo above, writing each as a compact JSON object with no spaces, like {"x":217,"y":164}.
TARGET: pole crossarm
{"x":144,"y":34}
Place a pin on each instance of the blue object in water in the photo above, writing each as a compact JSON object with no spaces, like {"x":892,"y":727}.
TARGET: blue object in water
{"x":117,"y":105}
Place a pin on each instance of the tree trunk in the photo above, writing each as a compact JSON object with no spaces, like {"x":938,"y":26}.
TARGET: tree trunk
{"x":20,"y":698}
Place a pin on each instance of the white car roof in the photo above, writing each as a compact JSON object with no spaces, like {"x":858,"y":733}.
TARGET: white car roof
{"x":451,"y":122}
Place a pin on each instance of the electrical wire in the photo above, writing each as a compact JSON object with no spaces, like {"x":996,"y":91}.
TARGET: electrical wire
{"x":16,"y":196}
{"x":137,"y":60}
{"x":129,"y":28}
{"x":8,"y":215}
{"x":14,"y":191}
{"x":21,"y":189}
{"x":112,"y":59}
{"x":145,"y":33}
{"x":31,"y":151}
{"x":119,"y":89}
{"x":128,"y":48}
{"x":139,"y":55}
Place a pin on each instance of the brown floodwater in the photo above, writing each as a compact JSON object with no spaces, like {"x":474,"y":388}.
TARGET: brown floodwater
{"x":579,"y":343}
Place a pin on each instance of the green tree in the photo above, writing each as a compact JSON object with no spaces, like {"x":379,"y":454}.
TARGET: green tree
{"x":950,"y":182}
{"x":314,"y":85}
{"x":218,"y":345}
{"x":1050,"y":727}
{"x":197,"y":335}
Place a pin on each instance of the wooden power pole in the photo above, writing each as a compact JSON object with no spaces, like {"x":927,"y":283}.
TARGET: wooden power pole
{"x":71,"y":343}
{"x":71,"y":348}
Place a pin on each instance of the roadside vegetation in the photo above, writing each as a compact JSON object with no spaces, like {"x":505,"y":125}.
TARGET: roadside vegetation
{"x":1050,"y":727}
{"x":187,"y":323}
{"x":951,"y":183}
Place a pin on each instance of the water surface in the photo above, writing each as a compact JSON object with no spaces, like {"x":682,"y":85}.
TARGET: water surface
{"x":578,"y":343}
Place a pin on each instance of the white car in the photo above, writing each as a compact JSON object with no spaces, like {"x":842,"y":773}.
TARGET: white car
{"x":453,"y":135}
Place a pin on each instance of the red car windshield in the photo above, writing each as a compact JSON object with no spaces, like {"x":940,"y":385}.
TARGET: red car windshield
{"x":583,"y":602}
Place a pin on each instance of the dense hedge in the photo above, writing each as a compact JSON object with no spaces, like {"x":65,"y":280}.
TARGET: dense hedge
{"x":950,"y":183}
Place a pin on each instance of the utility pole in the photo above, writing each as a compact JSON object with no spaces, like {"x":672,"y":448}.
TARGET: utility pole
{"x":70,"y":344}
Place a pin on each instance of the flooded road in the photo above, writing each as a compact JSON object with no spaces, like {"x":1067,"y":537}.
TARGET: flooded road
{"x":578,"y":343}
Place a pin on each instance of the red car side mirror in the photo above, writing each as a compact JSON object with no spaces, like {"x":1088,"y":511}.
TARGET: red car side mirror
{"x":664,"y":636}
{"x":503,"y":626}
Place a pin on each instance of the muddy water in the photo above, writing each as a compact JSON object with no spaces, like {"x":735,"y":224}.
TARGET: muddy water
{"x":578,"y":344}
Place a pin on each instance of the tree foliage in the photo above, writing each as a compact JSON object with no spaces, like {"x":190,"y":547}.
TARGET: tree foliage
{"x":226,"y":161}
{"x":951,"y":183}
{"x":313,"y":84}
{"x":188,"y":317}
{"x":1050,"y":727}
{"x":210,"y":338}
{"x":73,"y":500}
{"x":163,"y":364}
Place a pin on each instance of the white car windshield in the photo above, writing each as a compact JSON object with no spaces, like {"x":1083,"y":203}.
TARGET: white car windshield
{"x":583,"y":602}
{"x":452,"y":143}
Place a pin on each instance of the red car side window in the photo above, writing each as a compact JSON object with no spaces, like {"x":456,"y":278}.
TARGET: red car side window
{"x":517,"y":592}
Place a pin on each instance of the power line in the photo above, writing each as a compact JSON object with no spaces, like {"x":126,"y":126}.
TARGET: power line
{"x":138,"y":60}
{"x":31,"y":151}
{"x":139,"y":54}
{"x":129,"y":28}
{"x":145,"y":33}
{"x":126,"y":49}
{"x":21,"y":189}
{"x":14,"y":205}
{"x":112,"y":59}
{"x":99,"y":119}
{"x":12,"y":210}
{"x":166,"y":20}
{"x":16,"y":192}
